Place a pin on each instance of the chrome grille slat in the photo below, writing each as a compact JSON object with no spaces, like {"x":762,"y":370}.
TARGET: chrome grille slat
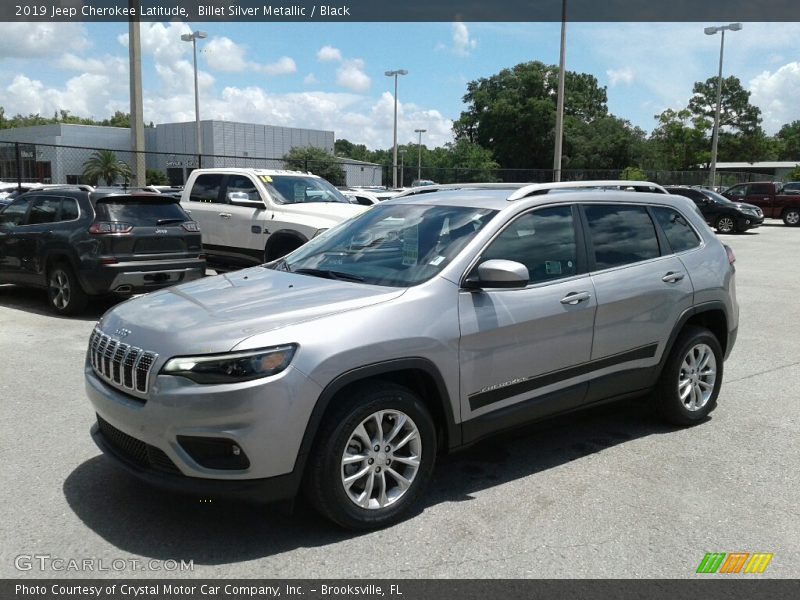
{"x":121,"y":365}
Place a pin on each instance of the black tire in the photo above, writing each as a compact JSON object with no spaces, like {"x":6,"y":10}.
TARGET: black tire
{"x":669,"y":403}
{"x":791,"y":217}
{"x":324,"y":483}
{"x":725,"y":224}
{"x":64,"y":291}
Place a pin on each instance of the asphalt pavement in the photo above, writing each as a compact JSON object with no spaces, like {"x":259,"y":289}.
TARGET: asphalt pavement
{"x":607,"y":493}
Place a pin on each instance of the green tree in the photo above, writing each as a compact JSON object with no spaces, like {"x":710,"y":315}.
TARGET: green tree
{"x":678,"y":142}
{"x":633,"y":174}
{"x":607,"y":143}
{"x":156,"y":177}
{"x":512,"y":113}
{"x":793,"y":175}
{"x":317,"y":160}
{"x":104,"y":165}
{"x":788,"y":138}
{"x":736,"y":112}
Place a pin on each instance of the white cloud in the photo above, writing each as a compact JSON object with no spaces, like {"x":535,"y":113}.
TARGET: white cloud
{"x":87,"y":95}
{"x":329,"y":54}
{"x":310,"y":79}
{"x":463,"y":44}
{"x":350,"y":75}
{"x":622,"y":76}
{"x":283,"y":66}
{"x":223,"y":54}
{"x":107,"y":65}
{"x":776,"y":94}
{"x":37,"y":40}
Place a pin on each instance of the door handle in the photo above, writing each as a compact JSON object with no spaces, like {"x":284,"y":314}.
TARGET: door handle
{"x":225,"y":215}
{"x":672,"y":277}
{"x":574,"y":298}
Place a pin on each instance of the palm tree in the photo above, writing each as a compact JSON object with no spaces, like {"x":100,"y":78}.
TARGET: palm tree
{"x":103,"y":164}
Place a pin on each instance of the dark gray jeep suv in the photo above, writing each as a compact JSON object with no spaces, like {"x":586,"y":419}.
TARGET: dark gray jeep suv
{"x":416,"y":328}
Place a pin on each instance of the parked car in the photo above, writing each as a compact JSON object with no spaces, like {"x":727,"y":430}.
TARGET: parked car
{"x":362,"y":197}
{"x":252,"y":216}
{"x":719,"y":212}
{"x":767,"y":196}
{"x":417,"y":328}
{"x":77,"y":244}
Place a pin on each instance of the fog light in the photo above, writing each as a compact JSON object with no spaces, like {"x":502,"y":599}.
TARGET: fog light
{"x":215,"y":453}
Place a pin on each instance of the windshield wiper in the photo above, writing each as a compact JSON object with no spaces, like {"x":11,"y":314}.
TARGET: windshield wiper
{"x":328,"y":274}
{"x":166,"y":221}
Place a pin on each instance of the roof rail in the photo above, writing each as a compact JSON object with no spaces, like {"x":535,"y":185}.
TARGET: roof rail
{"x":606,"y":184}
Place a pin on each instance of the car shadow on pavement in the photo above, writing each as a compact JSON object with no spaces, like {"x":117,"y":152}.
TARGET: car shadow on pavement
{"x":33,"y":300}
{"x":155,"y":524}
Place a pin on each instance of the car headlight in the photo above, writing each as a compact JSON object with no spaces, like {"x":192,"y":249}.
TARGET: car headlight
{"x":231,"y":367}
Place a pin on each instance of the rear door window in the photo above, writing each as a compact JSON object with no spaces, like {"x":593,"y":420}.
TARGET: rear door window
{"x":763,"y":189}
{"x":45,"y":209}
{"x":140,"y":212}
{"x":242,"y":185}
{"x":206,"y":188}
{"x":621,"y":234}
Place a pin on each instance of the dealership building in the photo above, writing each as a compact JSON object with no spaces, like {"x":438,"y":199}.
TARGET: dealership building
{"x":56,"y":153}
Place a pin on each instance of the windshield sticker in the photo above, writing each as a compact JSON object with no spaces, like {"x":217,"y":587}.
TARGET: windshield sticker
{"x":266,"y":178}
{"x":411,"y":246}
{"x":552,"y":267}
{"x":437,"y":261}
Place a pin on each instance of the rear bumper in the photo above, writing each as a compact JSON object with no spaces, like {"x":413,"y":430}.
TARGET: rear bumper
{"x":135,"y":277}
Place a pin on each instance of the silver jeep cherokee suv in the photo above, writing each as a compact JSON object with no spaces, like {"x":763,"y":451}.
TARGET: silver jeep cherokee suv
{"x":413,"y":329}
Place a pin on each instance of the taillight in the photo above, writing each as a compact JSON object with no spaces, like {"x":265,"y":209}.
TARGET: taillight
{"x":101,"y":227}
{"x":191,"y":226}
{"x":731,"y":255}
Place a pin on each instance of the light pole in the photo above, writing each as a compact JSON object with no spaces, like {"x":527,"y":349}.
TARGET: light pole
{"x":394,"y":150}
{"x":715,"y":135}
{"x":419,"y":153}
{"x":560,"y":106}
{"x":193,"y":37}
{"x":402,"y":152}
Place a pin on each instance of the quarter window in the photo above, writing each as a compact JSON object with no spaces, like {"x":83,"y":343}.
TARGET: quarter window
{"x":69,"y":209}
{"x":680,"y":234}
{"x":206,"y":188}
{"x":621,"y":235}
{"x":543,"y":241}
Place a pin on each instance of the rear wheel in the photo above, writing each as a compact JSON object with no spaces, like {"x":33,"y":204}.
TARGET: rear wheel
{"x":791,"y":217}
{"x":64,"y":291}
{"x":725,"y":224}
{"x":373,"y":458}
{"x":690,"y":382}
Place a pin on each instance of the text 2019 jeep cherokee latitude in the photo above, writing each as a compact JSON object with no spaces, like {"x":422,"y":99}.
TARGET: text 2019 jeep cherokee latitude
{"x":416,"y":328}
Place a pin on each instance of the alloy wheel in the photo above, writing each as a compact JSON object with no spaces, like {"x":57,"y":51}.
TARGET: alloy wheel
{"x":59,"y":282}
{"x":381,"y":459}
{"x":793,"y":217}
{"x":725,"y":225}
{"x":697,"y":377}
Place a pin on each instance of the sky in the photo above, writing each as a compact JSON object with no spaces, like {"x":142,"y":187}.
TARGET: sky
{"x":331,"y":75}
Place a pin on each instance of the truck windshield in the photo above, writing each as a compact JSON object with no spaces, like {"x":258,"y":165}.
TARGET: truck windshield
{"x":397,"y":245}
{"x":293,"y":189}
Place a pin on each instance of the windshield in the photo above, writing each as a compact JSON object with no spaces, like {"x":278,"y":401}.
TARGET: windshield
{"x":394,"y":245}
{"x":293,"y":189}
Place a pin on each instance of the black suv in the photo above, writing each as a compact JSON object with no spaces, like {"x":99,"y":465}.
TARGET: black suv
{"x":76,"y":244}
{"x":719,"y":212}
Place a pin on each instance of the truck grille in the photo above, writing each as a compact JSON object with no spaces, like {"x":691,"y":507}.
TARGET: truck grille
{"x":136,"y":451}
{"x":125,"y":367}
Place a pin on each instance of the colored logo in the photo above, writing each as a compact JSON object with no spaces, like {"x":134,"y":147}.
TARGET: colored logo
{"x":734,"y":562}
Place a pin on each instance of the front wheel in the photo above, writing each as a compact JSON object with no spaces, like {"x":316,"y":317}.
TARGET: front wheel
{"x":690,"y":382}
{"x":725,"y":224}
{"x":64,"y":290}
{"x":792,"y":217}
{"x":374,"y":457}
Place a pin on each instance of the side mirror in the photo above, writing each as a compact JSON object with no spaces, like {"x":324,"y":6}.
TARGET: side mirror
{"x":243,"y":199}
{"x":498,"y":274}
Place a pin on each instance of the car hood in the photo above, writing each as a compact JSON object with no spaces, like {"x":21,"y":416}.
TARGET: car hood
{"x":216,"y":313}
{"x":743,"y":205}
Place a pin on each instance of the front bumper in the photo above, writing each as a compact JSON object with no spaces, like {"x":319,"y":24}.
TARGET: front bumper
{"x":265,"y":418}
{"x":135,"y":277}
{"x":748,"y":222}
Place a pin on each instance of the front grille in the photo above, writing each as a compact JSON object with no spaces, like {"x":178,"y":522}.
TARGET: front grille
{"x":124,"y":366}
{"x":136,"y":451}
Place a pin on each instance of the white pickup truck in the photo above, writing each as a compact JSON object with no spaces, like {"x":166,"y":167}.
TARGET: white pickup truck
{"x":252,"y":216}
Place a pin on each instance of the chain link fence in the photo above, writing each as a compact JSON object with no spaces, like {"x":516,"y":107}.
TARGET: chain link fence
{"x":57,"y":164}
